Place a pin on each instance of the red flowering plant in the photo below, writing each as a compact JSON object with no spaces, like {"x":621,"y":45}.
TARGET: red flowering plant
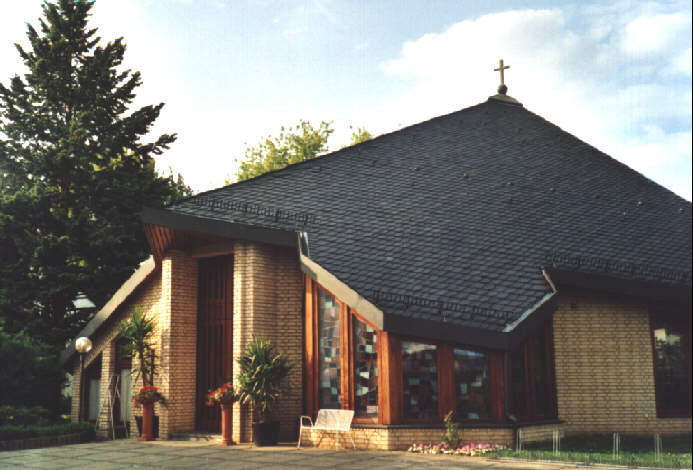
{"x":148,"y":394}
{"x":224,"y":395}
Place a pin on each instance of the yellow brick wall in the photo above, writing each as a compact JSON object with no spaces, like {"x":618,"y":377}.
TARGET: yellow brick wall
{"x":400,"y":438}
{"x":268,"y":303}
{"x":178,"y":330}
{"x":541,"y":433}
{"x":148,"y":298}
{"x":604,"y":368}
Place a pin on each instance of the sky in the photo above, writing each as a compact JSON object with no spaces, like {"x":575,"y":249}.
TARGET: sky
{"x":616,"y":74}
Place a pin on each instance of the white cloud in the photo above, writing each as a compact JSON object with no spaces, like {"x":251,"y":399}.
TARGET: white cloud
{"x":655,"y":35}
{"x":608,"y":81}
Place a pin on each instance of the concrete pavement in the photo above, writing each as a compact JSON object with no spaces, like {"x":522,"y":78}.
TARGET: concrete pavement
{"x":130,"y":454}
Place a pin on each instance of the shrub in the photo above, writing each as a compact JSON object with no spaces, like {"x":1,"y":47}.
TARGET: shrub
{"x":10,"y":432}
{"x":29,"y":372}
{"x":451,"y":436}
{"x":21,"y":415}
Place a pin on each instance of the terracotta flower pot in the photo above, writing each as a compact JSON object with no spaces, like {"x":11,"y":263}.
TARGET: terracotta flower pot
{"x":226,"y":415}
{"x":147,"y":422}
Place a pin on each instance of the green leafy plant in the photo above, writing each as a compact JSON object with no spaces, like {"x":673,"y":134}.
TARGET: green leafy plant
{"x":29,"y":372}
{"x":10,"y":432}
{"x":138,"y":331}
{"x":262,"y":369}
{"x":451,"y":436}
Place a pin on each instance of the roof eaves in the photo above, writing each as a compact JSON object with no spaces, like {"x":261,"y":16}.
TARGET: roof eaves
{"x":223,"y":228}
{"x":345,"y":293}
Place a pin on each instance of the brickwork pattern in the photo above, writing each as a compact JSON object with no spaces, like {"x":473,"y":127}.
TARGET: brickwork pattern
{"x":604,"y":368}
{"x":541,"y":433}
{"x":382,"y":438}
{"x":148,"y":298}
{"x":178,"y":329}
{"x":268,"y":303}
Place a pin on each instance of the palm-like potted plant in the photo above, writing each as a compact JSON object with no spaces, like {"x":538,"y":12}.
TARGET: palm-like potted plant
{"x":262,"y":369}
{"x":138,"y":331}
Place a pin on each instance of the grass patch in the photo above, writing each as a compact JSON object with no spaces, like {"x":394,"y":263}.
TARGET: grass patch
{"x":9,"y":432}
{"x":636,"y":451}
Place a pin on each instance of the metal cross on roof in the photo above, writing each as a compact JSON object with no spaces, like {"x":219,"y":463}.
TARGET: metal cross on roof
{"x":502,"y":89}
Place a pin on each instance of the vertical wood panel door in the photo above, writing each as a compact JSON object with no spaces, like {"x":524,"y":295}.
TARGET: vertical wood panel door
{"x":214,"y":336}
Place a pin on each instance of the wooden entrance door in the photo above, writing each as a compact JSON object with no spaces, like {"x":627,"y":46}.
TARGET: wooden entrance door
{"x":214,"y":336}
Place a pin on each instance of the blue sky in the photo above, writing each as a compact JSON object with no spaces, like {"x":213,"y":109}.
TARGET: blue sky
{"x":615,"y":74}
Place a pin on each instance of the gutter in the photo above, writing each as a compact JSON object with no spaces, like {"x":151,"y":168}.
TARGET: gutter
{"x":511,"y":326}
{"x":338,"y":288}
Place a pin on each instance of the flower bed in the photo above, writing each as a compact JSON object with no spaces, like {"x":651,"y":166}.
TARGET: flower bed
{"x":467,"y":449}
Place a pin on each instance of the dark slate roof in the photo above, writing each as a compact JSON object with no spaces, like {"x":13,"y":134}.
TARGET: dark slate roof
{"x":456,"y":216}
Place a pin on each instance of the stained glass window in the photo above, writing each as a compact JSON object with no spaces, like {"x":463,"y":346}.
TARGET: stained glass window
{"x":365,"y":370}
{"x":472,"y":390}
{"x":419,"y":380}
{"x":329,"y":387}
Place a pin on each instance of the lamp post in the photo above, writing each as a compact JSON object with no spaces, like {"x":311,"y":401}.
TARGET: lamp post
{"x":83,"y":345}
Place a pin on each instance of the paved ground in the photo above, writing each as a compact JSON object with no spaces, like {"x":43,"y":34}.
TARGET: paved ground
{"x":124,"y":454}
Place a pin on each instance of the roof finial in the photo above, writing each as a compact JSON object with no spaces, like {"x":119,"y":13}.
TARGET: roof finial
{"x":502,"y":89}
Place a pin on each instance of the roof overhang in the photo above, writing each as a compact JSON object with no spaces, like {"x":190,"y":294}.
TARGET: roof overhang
{"x":160,"y":224}
{"x":431,"y":329}
{"x":141,"y":274}
{"x":650,"y":291}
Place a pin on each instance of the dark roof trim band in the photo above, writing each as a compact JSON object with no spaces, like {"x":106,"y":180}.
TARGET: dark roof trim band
{"x":222,"y":228}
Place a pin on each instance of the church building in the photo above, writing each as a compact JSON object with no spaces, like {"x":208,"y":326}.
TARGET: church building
{"x":484,"y":262}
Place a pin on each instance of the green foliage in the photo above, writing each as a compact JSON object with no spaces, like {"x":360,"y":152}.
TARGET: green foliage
{"x":138,"y":330}
{"x":262,"y":369}
{"x":74,"y":174}
{"x":21,"y":415}
{"x":358,"y":136}
{"x":596,"y":448}
{"x":29,"y":372}
{"x":9,"y":432}
{"x":451,"y":436}
{"x":293,"y":145}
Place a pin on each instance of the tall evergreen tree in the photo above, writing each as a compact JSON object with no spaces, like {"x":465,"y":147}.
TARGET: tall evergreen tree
{"x":74,"y":174}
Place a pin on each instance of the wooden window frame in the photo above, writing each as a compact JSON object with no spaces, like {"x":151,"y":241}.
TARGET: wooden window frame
{"x":343,"y":381}
{"x":352,"y":398}
{"x":438,"y":345}
{"x":495,"y":361}
{"x":529,"y":370}
{"x":389,"y":363}
{"x":663,"y":412}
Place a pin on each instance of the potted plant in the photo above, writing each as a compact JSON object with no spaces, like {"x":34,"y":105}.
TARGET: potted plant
{"x":147,"y":396}
{"x":225,"y":396}
{"x":262,"y":369}
{"x":138,"y":331}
